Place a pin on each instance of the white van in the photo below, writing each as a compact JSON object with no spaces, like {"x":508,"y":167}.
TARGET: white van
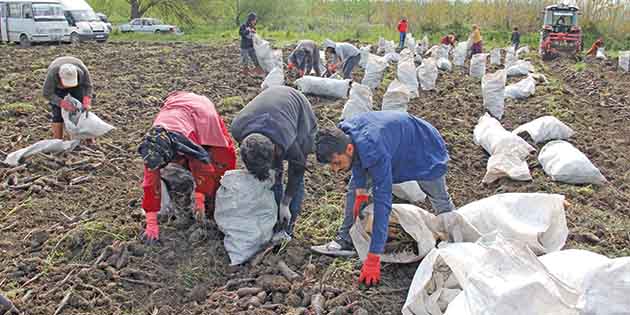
{"x":28,"y":21}
{"x":84,"y":24}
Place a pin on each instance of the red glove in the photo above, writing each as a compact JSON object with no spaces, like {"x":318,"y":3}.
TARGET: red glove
{"x":87,"y":102}
{"x":152,"y":230}
{"x":359,"y":200}
{"x":67,"y":106}
{"x":290,"y":66}
{"x":332,"y":68}
{"x":301,"y":73}
{"x":371,"y":270}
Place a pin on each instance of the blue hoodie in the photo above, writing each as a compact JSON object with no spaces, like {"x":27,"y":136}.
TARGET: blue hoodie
{"x":392,"y":147}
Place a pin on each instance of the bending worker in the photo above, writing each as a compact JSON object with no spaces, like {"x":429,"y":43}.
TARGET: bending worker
{"x":305,"y":57}
{"x":381,"y":149}
{"x":345,"y":56}
{"x":278,"y":125}
{"x":187,"y":131}
{"x":66,"y":76}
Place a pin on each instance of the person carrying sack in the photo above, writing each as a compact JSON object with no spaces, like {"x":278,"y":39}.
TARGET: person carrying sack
{"x":187,"y":131}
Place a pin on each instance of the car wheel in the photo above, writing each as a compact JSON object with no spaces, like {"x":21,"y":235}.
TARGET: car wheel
{"x":158,"y":32}
{"x":24,"y":41}
{"x":75,"y":39}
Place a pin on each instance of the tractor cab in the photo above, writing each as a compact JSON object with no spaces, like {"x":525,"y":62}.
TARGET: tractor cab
{"x":561,"y":18}
{"x":560,"y":32}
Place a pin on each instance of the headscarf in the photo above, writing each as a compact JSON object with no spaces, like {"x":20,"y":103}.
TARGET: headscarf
{"x":160,"y":147}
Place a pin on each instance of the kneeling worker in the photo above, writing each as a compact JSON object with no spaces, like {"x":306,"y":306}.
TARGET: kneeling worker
{"x":187,"y":131}
{"x":278,"y":125}
{"x":382,"y":148}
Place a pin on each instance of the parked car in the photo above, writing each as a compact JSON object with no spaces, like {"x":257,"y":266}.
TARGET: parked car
{"x":148,"y":25}
{"x":103,"y":18}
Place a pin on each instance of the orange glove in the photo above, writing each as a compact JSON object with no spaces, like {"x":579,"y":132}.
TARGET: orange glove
{"x":87,"y":102}
{"x":332,"y":68}
{"x":290,"y":66}
{"x":371,"y":270}
{"x":359,"y":200}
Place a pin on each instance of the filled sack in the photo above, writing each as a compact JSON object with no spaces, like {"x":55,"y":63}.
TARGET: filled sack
{"x":427,"y":74}
{"x":406,"y":74}
{"x":478,"y":65}
{"x":460,"y":53}
{"x":493,"y":92}
{"x":274,"y":78}
{"x":374,"y":71}
{"x":624,"y":60}
{"x":520,"y":67}
{"x":323,"y":86}
{"x":246,"y":212}
{"x":360,"y":101}
{"x":522,"y":89}
{"x":565,"y":163}
{"x":495,"y":56}
{"x":396,"y":97}
{"x":544,"y":129}
{"x":490,"y":134}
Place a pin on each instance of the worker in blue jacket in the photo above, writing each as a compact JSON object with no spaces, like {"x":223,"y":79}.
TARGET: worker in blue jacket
{"x":382,"y":148}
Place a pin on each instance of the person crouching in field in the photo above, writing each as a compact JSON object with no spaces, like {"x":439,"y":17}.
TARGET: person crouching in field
{"x":344,"y":55}
{"x":66,"y":76}
{"x":188,"y":132}
{"x":305,"y":57}
{"x":247,"y":31}
{"x":475,"y":39}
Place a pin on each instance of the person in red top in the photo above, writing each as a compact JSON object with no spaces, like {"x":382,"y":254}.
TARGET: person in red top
{"x":187,"y":131}
{"x":449,"y":39}
{"x":596,"y":45}
{"x":402,"y":28}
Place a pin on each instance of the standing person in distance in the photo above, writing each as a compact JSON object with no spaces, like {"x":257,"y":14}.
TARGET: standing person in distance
{"x":403,"y":27}
{"x":247,"y":31}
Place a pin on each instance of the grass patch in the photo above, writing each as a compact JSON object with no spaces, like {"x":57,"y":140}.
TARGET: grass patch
{"x":580,"y":66}
{"x":190,"y":275}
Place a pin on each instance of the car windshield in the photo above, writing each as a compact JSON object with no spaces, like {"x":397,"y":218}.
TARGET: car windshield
{"x":84,"y":16}
{"x":48,"y":11}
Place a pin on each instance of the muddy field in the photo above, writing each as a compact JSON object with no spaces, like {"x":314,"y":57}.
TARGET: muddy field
{"x":70,"y":223}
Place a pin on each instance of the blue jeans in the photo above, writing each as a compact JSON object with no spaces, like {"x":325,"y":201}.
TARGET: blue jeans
{"x":296,"y":203}
{"x":402,"y":39}
{"x":436,"y":191}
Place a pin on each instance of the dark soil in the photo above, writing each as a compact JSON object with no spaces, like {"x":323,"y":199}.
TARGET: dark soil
{"x":70,"y":223}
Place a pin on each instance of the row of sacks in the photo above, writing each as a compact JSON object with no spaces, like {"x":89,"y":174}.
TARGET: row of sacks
{"x":508,"y":152}
{"x":500,"y":274}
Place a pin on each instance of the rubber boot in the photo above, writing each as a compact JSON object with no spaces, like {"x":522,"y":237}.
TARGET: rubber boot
{"x":57,"y":130}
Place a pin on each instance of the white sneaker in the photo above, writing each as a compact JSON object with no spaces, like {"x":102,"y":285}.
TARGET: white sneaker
{"x":334,"y":248}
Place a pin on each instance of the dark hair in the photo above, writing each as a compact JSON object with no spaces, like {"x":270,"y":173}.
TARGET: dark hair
{"x":330,"y":141}
{"x":251,"y":16}
{"x":257,"y":154}
{"x":516,"y":28}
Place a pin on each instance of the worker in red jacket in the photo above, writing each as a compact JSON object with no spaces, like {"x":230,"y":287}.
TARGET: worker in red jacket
{"x":187,"y":131}
{"x":402,"y":29}
{"x":449,"y":40}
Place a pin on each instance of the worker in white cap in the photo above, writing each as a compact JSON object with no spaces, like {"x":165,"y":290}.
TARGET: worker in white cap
{"x":66,"y":76}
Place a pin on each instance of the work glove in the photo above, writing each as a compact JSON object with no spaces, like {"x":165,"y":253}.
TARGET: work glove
{"x":284,"y":215}
{"x":332,"y":68}
{"x":87,"y":102}
{"x":359,"y":200}
{"x":371,"y":270}
{"x":152,"y":231}
{"x":200,"y":208}
{"x":290,"y":66}
{"x":301,"y":73}
{"x":67,"y":106}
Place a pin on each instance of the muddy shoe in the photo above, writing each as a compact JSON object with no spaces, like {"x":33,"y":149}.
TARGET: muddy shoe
{"x":335,"y":248}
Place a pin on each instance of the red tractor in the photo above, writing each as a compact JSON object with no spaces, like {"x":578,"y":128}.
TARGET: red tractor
{"x":561,"y":33}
